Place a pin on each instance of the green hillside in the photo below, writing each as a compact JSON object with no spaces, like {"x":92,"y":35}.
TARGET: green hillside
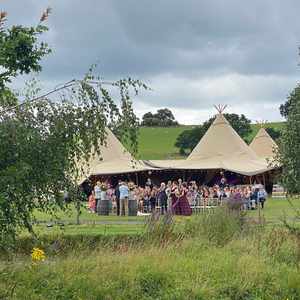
{"x":158,"y":142}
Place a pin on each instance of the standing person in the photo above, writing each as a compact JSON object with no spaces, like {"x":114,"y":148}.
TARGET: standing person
{"x":147,"y":196}
{"x":184,"y":206}
{"x":168,"y":192}
{"x":262,"y":195}
{"x":162,"y":198}
{"x":117,"y":194}
{"x":124,"y":195}
{"x":223,"y":181}
{"x":175,"y":194}
{"x":152,"y":199}
{"x":149,"y":183}
{"x":179,"y":182}
{"x":97,"y":191}
{"x":110,"y":196}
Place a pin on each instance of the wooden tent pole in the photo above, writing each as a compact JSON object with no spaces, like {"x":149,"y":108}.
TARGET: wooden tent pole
{"x":250,"y":180}
{"x":264,"y":180}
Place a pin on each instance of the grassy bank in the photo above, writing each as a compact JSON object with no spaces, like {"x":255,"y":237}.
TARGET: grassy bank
{"x":215,"y":257}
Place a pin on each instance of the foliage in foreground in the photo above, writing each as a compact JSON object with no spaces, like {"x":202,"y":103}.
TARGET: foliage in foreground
{"x":46,"y":142}
{"x":289,"y":153}
{"x":252,"y":264}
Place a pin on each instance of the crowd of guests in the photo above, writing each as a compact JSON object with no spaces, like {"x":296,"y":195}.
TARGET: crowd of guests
{"x":176,"y":196}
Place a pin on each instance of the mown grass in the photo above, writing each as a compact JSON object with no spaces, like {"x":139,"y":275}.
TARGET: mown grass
{"x":94,"y":225}
{"x":69,"y":215}
{"x":158,"y":142}
{"x":253,"y":262}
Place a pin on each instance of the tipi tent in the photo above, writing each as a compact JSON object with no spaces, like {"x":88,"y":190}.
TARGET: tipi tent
{"x":113,"y":159}
{"x":263,"y":145}
{"x":221,"y":148}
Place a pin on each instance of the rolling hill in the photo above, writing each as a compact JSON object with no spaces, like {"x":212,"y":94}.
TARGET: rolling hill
{"x":158,"y":142}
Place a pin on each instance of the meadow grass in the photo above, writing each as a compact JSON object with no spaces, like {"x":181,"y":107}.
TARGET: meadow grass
{"x":158,"y":142}
{"x":251,"y":263}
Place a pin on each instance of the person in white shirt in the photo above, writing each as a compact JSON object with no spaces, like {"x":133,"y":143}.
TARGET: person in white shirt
{"x":124,"y":195}
{"x":97,"y":190}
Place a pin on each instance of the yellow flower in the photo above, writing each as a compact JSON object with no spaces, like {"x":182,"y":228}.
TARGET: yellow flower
{"x":37,"y":255}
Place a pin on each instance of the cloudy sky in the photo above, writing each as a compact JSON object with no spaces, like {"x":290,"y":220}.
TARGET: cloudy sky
{"x":193,"y":53}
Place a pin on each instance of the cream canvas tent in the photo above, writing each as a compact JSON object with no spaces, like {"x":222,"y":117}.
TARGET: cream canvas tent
{"x":113,"y":159}
{"x":263,"y":145}
{"x":220,"y":148}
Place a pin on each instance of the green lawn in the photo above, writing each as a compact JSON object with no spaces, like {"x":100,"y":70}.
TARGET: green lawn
{"x":92,"y":224}
{"x":89,"y":229}
{"x":70,"y":216}
{"x":276,"y":209}
{"x":158,"y":142}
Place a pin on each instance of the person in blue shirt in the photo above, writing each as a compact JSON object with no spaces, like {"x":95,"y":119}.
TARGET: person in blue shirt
{"x":261,"y":196}
{"x":124,"y":195}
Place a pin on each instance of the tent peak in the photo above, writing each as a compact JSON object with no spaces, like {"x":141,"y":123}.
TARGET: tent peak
{"x":220,"y":108}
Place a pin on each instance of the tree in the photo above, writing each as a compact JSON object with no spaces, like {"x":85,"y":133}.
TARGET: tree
{"x":188,"y":139}
{"x":20,"y":53}
{"x":166,"y":117}
{"x":274,"y":133}
{"x":45,"y":141}
{"x":163,"y":117}
{"x":288,"y":155}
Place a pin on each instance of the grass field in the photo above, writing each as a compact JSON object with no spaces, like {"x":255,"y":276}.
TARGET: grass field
{"x":216,"y":257}
{"x":158,"y":142}
{"x":92,"y":224}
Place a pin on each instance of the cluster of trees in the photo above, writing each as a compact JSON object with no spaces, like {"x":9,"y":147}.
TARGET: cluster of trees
{"x":188,"y":139}
{"x":162,"y":118}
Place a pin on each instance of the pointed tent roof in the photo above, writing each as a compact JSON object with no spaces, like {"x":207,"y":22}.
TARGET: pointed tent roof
{"x":113,"y":159}
{"x":222,"y":148}
{"x":263,"y":145}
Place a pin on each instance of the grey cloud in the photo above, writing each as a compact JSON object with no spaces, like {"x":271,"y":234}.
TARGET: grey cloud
{"x":188,"y":51}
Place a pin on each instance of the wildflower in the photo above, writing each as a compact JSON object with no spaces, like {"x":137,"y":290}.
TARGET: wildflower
{"x":37,"y":255}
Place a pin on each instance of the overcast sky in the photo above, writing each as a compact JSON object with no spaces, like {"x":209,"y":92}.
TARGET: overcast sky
{"x":193,"y":53}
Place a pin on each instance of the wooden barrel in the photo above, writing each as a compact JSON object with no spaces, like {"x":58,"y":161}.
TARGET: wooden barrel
{"x":132,"y":207}
{"x":103,"y":207}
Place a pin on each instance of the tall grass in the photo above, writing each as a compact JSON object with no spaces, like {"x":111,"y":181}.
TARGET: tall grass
{"x":195,"y":263}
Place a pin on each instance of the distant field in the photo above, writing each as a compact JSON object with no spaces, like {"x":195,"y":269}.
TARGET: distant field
{"x":158,"y":142}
